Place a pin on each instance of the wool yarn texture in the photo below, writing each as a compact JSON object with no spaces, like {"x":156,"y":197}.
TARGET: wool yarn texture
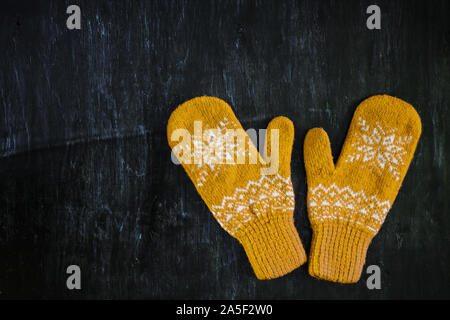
{"x":348,"y":202}
{"x":250,"y":198}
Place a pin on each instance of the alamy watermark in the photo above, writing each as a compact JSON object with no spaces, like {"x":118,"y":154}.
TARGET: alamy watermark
{"x":226,"y":146}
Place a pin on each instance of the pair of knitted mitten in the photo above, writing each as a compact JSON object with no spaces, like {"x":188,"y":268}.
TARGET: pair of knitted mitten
{"x":254,"y":203}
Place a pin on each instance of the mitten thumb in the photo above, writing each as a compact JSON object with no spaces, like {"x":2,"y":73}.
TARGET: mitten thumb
{"x":278,"y":146}
{"x":317,"y":154}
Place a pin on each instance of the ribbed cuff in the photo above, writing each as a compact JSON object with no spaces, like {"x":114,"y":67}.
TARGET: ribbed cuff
{"x":273,"y":246}
{"x":338,"y":252}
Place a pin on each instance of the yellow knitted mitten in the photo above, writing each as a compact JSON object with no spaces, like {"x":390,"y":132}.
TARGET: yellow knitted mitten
{"x":347,"y":203}
{"x":250,"y":200}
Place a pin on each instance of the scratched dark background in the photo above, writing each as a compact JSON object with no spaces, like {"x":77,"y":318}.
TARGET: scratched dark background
{"x":85,"y":170}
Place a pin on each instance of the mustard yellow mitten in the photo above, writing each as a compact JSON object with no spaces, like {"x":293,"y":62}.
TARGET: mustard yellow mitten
{"x":251,"y":199}
{"x":347,"y":203}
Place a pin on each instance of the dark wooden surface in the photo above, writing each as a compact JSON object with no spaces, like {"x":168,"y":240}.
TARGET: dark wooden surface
{"x":85,"y":170}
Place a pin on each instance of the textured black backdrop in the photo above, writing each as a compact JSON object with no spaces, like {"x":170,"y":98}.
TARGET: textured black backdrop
{"x":85,"y":170}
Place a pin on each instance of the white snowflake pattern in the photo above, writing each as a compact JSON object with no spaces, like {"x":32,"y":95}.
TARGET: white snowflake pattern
{"x":379,"y":148}
{"x":215,"y":151}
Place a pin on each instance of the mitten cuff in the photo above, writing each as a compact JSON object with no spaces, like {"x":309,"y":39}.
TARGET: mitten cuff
{"x":273,"y":246}
{"x":338,"y":251}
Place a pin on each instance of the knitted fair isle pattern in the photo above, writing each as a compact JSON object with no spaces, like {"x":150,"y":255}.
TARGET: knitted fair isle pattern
{"x":348,"y":203}
{"x":254,"y":207}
